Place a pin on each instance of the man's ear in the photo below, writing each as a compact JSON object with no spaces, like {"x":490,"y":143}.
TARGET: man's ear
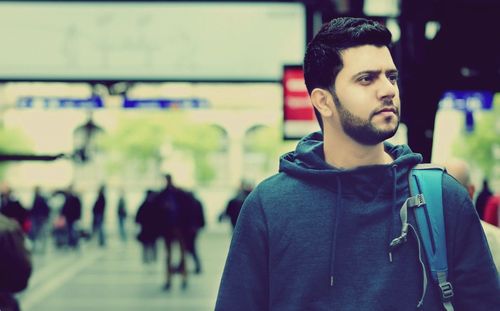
{"x":322,"y":101}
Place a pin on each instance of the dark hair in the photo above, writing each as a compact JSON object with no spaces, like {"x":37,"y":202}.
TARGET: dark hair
{"x":323,"y":61}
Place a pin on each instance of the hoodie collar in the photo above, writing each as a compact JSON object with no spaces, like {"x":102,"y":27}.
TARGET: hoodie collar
{"x":308,"y":160}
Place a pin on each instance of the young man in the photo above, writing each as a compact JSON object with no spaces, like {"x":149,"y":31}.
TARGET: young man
{"x":317,"y":235}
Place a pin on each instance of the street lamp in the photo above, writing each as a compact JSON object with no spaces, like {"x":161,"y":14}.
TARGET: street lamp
{"x":85,"y":140}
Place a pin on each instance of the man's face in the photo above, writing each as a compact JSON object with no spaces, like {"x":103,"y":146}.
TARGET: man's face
{"x":366,"y":95}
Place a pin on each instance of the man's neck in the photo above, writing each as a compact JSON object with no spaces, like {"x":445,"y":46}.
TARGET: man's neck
{"x":342,"y":152}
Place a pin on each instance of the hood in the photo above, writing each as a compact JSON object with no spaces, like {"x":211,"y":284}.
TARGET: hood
{"x":308,"y":161}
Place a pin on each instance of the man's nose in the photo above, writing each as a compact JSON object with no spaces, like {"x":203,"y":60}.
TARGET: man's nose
{"x":387,"y":89}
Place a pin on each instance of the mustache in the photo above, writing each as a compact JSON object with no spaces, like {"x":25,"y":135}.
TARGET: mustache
{"x":387,"y":106}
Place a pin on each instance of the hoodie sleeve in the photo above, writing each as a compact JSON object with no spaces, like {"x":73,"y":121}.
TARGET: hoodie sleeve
{"x":245,"y":282}
{"x":474,"y":275}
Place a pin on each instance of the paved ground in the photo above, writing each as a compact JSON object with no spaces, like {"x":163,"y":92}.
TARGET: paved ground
{"x":114,"y":278}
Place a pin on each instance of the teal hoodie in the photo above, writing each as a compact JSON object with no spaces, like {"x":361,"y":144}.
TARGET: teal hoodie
{"x":315,"y":237}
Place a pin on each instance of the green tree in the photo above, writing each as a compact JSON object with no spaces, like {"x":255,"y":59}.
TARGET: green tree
{"x":478,"y":146}
{"x":140,"y":137}
{"x":268,"y":140}
{"x":13,"y":141}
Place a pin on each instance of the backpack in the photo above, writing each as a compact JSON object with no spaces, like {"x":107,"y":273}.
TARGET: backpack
{"x":427,"y":204}
{"x":426,"y":184}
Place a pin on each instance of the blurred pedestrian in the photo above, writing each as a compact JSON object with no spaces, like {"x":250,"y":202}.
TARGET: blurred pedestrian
{"x":121,"y":213}
{"x":15,"y":263}
{"x":39,"y":214}
{"x":72,"y":212}
{"x":460,"y":170}
{"x":482,"y":198}
{"x":234,"y":205}
{"x":98,"y":212}
{"x":196,"y":223}
{"x":174,"y":223}
{"x":492,"y":211}
{"x":147,"y":218}
{"x":12,"y":208}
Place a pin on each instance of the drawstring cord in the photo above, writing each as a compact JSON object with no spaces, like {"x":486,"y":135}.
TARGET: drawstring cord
{"x":405,"y":226}
{"x":393,"y":209}
{"x":337,"y":210}
{"x":424,"y":275}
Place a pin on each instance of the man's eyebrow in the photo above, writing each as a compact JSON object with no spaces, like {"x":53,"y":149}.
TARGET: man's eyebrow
{"x":391,"y":71}
{"x":374,"y":72}
{"x":368,"y":72}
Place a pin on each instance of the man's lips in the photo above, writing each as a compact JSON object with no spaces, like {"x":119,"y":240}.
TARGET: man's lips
{"x":385,"y":110}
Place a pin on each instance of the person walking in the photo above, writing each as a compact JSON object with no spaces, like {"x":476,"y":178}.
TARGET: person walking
{"x":98,"y":212}
{"x":15,"y":263}
{"x":147,"y":218}
{"x":482,"y":198}
{"x":233,"y":207}
{"x":71,"y":212}
{"x":196,"y":223}
{"x":174,"y":222}
{"x":39,"y":214}
{"x":12,"y":208}
{"x":121,"y":213}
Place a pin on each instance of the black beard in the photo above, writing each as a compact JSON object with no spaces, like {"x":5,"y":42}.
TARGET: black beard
{"x":362,"y":131}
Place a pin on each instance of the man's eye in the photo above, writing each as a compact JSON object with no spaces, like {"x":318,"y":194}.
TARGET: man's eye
{"x":393,"y":78}
{"x":365,"y":79}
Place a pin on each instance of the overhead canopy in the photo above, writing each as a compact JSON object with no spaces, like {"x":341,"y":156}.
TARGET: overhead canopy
{"x":184,"y":41}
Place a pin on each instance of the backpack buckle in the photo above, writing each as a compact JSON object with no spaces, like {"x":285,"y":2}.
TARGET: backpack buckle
{"x":420,"y":200}
{"x":416,"y":200}
{"x":446,"y":291}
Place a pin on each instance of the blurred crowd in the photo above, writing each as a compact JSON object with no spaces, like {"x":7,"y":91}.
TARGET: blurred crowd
{"x":172,"y":216}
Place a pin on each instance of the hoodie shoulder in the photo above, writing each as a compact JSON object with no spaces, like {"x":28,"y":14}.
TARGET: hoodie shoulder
{"x":274,"y":185}
{"x":275,"y":193}
{"x":454,"y":192}
{"x":472,"y":269}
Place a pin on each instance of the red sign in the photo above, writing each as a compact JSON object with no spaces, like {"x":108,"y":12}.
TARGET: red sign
{"x":298,"y":113}
{"x":297,"y":102}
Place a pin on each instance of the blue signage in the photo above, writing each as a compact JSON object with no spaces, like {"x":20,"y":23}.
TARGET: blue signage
{"x":97,"y":102}
{"x":468,"y":102}
{"x":59,"y":102}
{"x":162,"y":103}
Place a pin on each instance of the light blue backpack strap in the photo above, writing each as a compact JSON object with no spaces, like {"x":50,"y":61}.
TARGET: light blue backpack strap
{"x":426,"y":179}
